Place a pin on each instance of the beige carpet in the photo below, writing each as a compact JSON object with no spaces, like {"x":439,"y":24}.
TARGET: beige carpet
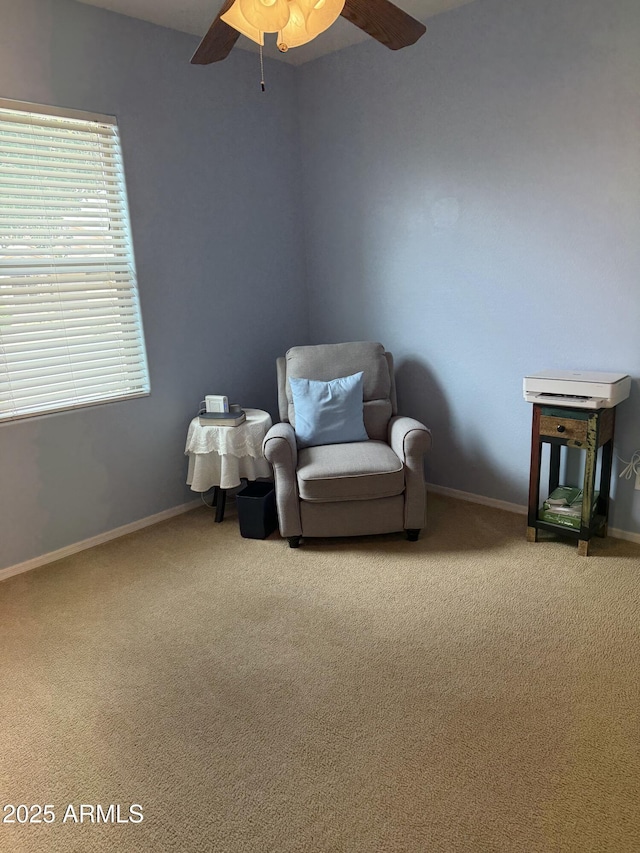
{"x":469,"y":692}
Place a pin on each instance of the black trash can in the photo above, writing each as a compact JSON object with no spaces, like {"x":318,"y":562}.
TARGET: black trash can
{"x":257,"y":513}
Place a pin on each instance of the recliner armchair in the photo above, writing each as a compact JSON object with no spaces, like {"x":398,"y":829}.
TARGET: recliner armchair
{"x":354,"y":489}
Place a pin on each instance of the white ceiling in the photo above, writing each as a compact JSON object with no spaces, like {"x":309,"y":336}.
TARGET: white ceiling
{"x":195,"y":17}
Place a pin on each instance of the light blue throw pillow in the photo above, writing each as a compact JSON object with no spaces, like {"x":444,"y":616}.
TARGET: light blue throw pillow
{"x":328,"y":412}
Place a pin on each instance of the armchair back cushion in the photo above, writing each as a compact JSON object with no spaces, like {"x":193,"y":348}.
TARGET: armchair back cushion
{"x":330,"y":361}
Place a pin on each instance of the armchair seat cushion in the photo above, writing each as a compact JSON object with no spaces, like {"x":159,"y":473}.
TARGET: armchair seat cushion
{"x":361,"y":470}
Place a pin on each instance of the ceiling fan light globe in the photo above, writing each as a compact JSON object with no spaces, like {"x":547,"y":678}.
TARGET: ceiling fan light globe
{"x":308,"y":6}
{"x":237,"y":20}
{"x":267,"y":19}
{"x":308,"y":19}
{"x":295,"y":33}
{"x":323,"y":15}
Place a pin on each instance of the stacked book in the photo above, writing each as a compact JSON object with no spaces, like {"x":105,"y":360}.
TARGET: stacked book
{"x":564,"y":507}
{"x":230,"y":419}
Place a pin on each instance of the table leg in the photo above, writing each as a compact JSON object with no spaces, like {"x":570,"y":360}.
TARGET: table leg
{"x":221,"y":500}
{"x":588,"y":488}
{"x":554,"y":468}
{"x":534,"y":477}
{"x":605,"y":484}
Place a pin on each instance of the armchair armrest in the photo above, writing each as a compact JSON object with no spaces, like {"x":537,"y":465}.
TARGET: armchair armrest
{"x":280,"y":449}
{"x":410,"y":440}
{"x":279,"y":446}
{"x":408,"y":437}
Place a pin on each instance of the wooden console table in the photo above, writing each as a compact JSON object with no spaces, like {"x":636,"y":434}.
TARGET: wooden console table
{"x":587,"y":430}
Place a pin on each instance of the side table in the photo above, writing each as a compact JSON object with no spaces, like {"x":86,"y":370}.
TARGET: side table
{"x":221,"y":456}
{"x":587,"y":430}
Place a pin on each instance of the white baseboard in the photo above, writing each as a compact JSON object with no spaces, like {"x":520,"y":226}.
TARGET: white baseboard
{"x":476,"y":499}
{"x":520,"y":509}
{"x":52,"y":556}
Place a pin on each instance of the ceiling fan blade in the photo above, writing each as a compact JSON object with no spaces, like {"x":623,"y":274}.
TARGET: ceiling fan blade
{"x":217,"y":43}
{"x":384,"y":22}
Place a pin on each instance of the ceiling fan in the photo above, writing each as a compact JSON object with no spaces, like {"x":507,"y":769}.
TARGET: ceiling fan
{"x":300,"y":21}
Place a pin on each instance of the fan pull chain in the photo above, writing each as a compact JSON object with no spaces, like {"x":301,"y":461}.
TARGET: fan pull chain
{"x":261,"y":71}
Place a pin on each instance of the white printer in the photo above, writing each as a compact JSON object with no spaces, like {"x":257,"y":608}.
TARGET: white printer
{"x":577,"y":389}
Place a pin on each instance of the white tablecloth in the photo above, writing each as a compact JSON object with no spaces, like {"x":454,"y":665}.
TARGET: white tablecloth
{"x":221,"y":456}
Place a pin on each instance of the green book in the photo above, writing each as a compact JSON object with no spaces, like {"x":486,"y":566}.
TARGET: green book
{"x":564,"y":507}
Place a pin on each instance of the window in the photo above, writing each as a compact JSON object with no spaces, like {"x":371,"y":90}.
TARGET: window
{"x":70,"y":326}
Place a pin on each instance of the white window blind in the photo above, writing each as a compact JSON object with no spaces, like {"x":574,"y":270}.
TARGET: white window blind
{"x":70,"y":327}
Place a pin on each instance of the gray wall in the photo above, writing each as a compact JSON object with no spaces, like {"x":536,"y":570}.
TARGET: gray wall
{"x":474,"y":203}
{"x":212,"y":172}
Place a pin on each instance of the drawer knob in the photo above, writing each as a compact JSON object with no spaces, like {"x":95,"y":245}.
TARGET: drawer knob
{"x":561,"y":428}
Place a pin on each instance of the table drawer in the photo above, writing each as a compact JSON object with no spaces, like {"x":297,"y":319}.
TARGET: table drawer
{"x":563,"y":428}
